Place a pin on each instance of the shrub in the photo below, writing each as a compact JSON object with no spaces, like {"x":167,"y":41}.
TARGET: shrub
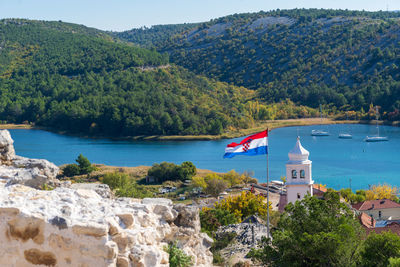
{"x":218,"y":259}
{"x":379,"y":248}
{"x":394,"y":262}
{"x":211,"y":219}
{"x":125,"y":186}
{"x":85,"y":167}
{"x":170,"y":171}
{"x":384,"y":191}
{"x":244,"y":205}
{"x":71,"y":170}
{"x":215,"y":185}
{"x":313,"y":232}
{"x":115,"y":180}
{"x":177,"y":258}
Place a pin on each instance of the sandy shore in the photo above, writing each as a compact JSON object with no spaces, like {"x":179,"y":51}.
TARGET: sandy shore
{"x":261,"y":126}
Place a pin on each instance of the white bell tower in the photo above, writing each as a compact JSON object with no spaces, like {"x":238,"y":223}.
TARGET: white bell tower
{"x":298,"y":174}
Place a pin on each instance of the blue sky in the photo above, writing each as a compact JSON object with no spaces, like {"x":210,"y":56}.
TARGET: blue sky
{"x":121,"y":15}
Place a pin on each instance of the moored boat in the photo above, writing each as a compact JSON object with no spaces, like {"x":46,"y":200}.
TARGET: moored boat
{"x":376,"y":138}
{"x":319,"y":132}
{"x":345,"y":136}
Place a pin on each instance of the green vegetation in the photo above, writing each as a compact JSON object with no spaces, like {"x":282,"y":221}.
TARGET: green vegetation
{"x":352,"y":198}
{"x":172,"y":172}
{"x":155,"y":35}
{"x":231,"y":210}
{"x":213,"y":184}
{"x":381,"y":191}
{"x":83,"y":167}
{"x":177,"y":258}
{"x":56,"y":76}
{"x":224,"y":240}
{"x":126,"y":186}
{"x":245,"y":205}
{"x":345,"y":58}
{"x":212,"y":219}
{"x":71,"y":170}
{"x":314,"y":232}
{"x":379,"y":248}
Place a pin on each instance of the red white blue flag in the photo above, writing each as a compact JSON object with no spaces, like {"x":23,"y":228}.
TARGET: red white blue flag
{"x":256,"y":144}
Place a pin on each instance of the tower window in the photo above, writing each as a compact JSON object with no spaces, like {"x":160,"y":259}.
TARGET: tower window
{"x":380,"y":214}
{"x":294,"y":174}
{"x":298,"y":195}
{"x":302,"y":174}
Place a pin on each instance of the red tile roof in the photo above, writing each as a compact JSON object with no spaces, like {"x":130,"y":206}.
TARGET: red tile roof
{"x":366,"y":220}
{"x":394,"y":227}
{"x":320,"y":187}
{"x":369,"y":224}
{"x":376,"y":204}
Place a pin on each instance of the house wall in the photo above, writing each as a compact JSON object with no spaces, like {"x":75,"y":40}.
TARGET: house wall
{"x":301,"y":189}
{"x":386,"y":214}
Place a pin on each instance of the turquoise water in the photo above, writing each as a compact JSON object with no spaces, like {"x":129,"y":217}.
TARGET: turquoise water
{"x":335,"y":161}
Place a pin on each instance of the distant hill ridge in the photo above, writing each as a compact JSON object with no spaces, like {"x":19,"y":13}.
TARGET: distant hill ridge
{"x":346,"y":58}
{"x":81,"y":80}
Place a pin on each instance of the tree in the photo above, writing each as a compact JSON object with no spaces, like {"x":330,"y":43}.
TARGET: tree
{"x":198,"y":181}
{"x":379,"y":248}
{"x":244,"y":205}
{"x":187,"y":170}
{"x":313,"y":232}
{"x":212,"y":219}
{"x":394,"y":262}
{"x":85,"y":167}
{"x":384,"y":191}
{"x":170,"y":171}
{"x":71,"y":170}
{"x":215,"y":185}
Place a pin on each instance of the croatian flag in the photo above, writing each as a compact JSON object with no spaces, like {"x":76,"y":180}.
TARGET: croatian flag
{"x":256,"y":144}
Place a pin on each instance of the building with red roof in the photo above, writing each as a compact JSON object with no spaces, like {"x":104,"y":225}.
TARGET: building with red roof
{"x":370,"y":225}
{"x":381,"y":209}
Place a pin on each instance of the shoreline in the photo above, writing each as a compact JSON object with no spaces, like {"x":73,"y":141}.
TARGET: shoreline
{"x":271,"y":124}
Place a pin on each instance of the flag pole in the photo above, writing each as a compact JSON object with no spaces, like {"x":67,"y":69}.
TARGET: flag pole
{"x":268,"y":189}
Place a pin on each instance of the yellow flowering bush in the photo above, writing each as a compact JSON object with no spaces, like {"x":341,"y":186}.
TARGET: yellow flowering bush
{"x":244,"y":205}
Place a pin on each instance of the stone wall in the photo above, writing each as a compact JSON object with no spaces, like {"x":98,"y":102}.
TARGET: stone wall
{"x":77,"y":227}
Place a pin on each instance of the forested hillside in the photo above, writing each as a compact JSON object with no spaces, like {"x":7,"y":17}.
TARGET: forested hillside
{"x":76,"y":79}
{"x":348,"y":58}
{"x":158,"y":35}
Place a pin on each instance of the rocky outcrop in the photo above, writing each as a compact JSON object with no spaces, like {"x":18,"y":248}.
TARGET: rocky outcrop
{"x":102,"y":189}
{"x":248,"y":235}
{"x":77,"y":227}
{"x":19,"y":170}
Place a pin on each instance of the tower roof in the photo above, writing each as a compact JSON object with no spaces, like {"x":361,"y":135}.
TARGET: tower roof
{"x":298,"y":153}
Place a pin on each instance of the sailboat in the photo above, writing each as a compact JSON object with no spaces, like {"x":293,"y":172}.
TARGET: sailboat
{"x":319,"y":132}
{"x":376,"y":138}
{"x":345,"y":135}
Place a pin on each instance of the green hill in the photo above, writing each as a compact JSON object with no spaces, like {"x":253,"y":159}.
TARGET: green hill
{"x":77,"y":79}
{"x":346,"y":58}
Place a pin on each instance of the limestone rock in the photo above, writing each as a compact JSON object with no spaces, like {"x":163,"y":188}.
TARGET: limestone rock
{"x":102,"y":190}
{"x":68,"y":227}
{"x":7,"y":152}
{"x":19,"y":170}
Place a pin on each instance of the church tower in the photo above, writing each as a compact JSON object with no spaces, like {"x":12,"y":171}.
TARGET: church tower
{"x":298,"y":174}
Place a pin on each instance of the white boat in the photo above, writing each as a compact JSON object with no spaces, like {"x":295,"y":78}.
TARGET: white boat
{"x":319,"y":132}
{"x":345,"y":136}
{"x":376,"y":138}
